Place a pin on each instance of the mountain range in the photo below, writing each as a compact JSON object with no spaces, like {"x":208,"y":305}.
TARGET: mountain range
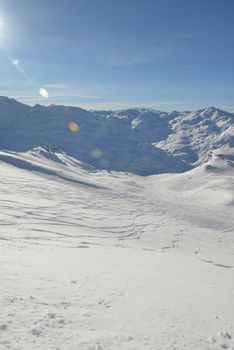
{"x":141,"y":141}
{"x":104,"y":260}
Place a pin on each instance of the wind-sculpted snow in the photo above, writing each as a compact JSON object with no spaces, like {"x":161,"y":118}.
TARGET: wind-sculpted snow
{"x":105,"y":260}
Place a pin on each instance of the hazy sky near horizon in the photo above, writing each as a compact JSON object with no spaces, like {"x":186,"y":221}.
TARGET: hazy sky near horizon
{"x":163,"y":54}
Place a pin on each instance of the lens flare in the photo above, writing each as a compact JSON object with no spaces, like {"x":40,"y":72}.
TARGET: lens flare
{"x":43,"y":92}
{"x":15,"y":62}
{"x":4,"y":34}
{"x":96,"y":153}
{"x":74,"y":127}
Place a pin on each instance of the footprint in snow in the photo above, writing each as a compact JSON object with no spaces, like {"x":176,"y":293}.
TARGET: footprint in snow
{"x":36,"y":331}
{"x":74,"y":282}
{"x":3,"y":327}
{"x":98,"y":347}
{"x":225,"y":336}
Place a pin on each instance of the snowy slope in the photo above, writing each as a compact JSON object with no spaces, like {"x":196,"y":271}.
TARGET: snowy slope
{"x":195,"y":134}
{"x":140,"y":141}
{"x":103,"y":141}
{"x":105,"y":261}
{"x":189,"y":136}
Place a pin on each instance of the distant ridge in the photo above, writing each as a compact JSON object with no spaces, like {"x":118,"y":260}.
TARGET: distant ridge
{"x":138,"y":140}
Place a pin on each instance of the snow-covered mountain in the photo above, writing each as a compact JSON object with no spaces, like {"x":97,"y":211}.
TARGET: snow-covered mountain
{"x":104,"y":260}
{"x":97,"y":260}
{"x":195,"y":134}
{"x":140,"y":141}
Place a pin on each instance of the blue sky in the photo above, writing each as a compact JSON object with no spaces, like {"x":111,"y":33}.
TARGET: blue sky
{"x":163,"y":54}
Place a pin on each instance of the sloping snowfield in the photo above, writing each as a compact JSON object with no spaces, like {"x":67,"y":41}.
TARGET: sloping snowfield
{"x":92,"y":260}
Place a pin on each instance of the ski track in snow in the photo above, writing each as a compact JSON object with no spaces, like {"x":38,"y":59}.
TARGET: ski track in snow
{"x":123,"y":263}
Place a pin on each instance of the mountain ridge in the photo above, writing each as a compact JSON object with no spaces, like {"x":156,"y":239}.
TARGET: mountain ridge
{"x":138,"y":140}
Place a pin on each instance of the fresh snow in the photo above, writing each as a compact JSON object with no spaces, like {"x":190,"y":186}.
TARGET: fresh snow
{"x":140,"y":141}
{"x":104,"y":260}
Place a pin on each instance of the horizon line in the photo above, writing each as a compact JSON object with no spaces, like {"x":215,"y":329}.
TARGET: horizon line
{"x":118,"y":106}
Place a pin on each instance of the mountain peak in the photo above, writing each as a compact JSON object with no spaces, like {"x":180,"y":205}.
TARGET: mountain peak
{"x":5,"y":98}
{"x":11,"y":101}
{"x":140,"y":140}
{"x":212,"y":110}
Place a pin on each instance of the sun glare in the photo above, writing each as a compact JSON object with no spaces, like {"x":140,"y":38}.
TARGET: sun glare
{"x":43,"y":92}
{"x":1,"y":27}
{"x":4,"y":30}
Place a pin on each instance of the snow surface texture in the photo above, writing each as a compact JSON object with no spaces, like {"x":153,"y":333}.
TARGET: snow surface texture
{"x":97,"y":260}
